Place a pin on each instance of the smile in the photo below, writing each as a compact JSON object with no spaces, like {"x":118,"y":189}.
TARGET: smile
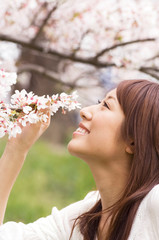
{"x":82,"y":131}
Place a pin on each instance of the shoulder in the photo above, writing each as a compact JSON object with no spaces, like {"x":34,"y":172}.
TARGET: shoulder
{"x":75,"y":209}
{"x":65,"y":217}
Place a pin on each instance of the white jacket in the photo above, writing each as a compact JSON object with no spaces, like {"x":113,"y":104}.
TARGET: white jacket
{"x":59,"y":224}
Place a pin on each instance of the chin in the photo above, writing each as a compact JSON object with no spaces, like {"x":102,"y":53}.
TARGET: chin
{"x":72,"y":148}
{"x":75,"y":149}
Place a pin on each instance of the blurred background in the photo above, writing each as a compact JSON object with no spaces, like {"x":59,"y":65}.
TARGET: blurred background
{"x":62,"y":46}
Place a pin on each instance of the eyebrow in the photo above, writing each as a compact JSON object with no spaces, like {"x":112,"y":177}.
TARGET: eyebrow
{"x":111,"y":97}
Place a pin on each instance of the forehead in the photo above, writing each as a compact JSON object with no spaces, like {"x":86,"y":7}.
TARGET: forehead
{"x":112,"y":93}
{"x":112,"y":96}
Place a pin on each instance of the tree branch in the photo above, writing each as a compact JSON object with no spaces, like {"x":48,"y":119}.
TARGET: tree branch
{"x":50,"y":75}
{"x":152,"y":73}
{"x":152,"y":58}
{"x":89,"y":61}
{"x":123,"y":44}
{"x":82,"y":37}
{"x":41,"y":70}
{"x":32,"y":23}
{"x":154,"y":69}
{"x":43,"y":24}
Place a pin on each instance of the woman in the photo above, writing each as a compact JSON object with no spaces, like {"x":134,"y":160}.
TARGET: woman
{"x":119,"y":140}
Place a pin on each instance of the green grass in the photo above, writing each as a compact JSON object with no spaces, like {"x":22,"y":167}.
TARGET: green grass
{"x":48,"y":178}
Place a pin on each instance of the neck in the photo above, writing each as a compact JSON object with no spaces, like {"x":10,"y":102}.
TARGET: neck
{"x":110,"y":181}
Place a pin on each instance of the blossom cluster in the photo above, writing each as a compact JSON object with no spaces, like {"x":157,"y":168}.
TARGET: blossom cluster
{"x":6,"y":81}
{"x":29,"y":108}
{"x":124,"y":21}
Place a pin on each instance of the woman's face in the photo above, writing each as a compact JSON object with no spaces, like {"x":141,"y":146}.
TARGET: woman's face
{"x":98,"y":139}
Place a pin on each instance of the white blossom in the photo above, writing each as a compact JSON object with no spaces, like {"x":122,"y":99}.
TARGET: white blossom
{"x":6,"y":81}
{"x":13,"y":130}
{"x":54,"y":97}
{"x":54,"y":108}
{"x":28,"y":107}
{"x":43,"y":118}
{"x":23,"y":121}
{"x":42,"y":103}
{"x":33,"y":117}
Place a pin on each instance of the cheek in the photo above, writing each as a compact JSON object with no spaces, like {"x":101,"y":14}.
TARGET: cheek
{"x":102,"y":143}
{"x":106,"y":141}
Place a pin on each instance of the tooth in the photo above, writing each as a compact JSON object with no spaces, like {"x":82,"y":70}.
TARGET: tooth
{"x":82,"y":130}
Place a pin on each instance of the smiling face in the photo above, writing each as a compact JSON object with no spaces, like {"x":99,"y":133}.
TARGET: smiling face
{"x":98,"y":138}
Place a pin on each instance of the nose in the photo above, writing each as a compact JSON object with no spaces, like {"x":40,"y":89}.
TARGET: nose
{"x":86,"y":113}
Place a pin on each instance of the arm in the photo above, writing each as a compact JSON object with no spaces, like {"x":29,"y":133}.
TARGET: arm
{"x":10,"y":166}
{"x":13,"y":158}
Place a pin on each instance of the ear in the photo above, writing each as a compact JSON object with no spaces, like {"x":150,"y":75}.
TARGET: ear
{"x":130,"y":149}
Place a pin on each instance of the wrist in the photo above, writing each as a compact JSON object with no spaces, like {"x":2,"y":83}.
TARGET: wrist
{"x":15,"y":149}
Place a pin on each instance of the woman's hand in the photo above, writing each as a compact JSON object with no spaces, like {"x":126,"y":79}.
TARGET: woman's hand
{"x":23,"y":142}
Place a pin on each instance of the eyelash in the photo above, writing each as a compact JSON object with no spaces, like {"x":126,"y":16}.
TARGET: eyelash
{"x":104,"y":104}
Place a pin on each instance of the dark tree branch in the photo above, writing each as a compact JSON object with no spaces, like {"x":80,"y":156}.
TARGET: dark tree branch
{"x":82,"y":37}
{"x":156,"y":56}
{"x":123,"y":44}
{"x":150,"y":72}
{"x":43,"y":24}
{"x":87,"y":74}
{"x":50,"y":75}
{"x":41,"y":70}
{"x":154,"y":69}
{"x":89,"y":61}
{"x":32,"y":23}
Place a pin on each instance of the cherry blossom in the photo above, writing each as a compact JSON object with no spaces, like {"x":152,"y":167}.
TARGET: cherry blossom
{"x":28,"y":107}
{"x":105,"y":24}
{"x":93,"y":26}
{"x":13,"y":129}
{"x":6,"y":81}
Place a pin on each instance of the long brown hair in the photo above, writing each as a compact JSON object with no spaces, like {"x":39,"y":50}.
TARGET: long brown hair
{"x":139,"y":100}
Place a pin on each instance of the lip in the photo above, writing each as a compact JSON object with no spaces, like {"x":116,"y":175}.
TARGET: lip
{"x":79,"y":133}
{"x":82,"y":126}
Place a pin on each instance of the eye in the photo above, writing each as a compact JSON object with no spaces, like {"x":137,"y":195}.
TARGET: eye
{"x":104,"y":104}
